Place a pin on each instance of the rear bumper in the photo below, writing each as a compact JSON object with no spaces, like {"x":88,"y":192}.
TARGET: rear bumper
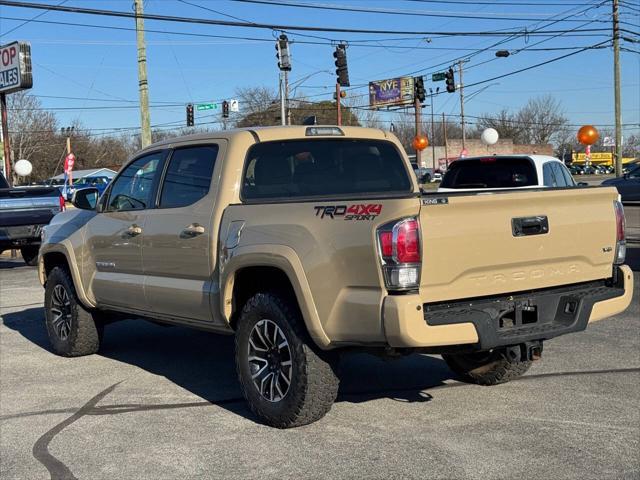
{"x":17,"y":236}
{"x":486,"y":323}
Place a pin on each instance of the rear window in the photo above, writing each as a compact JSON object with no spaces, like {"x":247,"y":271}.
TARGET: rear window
{"x":490,"y":173}
{"x":303,"y":168}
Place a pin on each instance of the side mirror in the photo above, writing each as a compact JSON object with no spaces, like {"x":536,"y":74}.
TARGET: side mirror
{"x":85,"y":198}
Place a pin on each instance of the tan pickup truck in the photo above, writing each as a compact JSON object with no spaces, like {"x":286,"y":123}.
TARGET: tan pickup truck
{"x":305,"y":242}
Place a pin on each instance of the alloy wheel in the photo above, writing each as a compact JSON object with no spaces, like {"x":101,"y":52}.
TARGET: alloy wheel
{"x":270,"y":362}
{"x":60,"y":312}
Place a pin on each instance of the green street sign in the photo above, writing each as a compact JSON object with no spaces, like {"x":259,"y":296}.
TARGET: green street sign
{"x":438,"y":77}
{"x":208,"y":106}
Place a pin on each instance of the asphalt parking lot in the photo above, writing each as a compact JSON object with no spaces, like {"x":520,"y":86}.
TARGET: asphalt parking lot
{"x":163,"y":403}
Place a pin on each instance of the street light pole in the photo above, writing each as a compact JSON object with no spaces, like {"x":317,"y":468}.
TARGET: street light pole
{"x":5,"y":138}
{"x":460,"y":63}
{"x":433,"y":134}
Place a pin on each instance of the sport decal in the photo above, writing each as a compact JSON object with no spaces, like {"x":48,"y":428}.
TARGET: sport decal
{"x":349,"y":212}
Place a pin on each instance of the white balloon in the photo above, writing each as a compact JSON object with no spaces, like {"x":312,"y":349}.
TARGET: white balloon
{"x":23,"y":168}
{"x":489,"y":136}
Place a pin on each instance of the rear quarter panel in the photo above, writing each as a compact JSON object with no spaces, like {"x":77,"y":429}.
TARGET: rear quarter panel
{"x":338,"y":256}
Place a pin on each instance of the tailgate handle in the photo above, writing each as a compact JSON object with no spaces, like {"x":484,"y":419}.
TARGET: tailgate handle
{"x":523,"y":226}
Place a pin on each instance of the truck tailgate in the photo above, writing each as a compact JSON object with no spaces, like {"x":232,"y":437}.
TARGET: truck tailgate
{"x":483,"y":244}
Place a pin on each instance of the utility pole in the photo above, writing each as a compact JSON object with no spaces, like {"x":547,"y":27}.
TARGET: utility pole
{"x":283,"y":116}
{"x":418,"y":111}
{"x":433,"y":130}
{"x":460,"y":63}
{"x":143,"y":84}
{"x":338,"y":108}
{"x":284,"y":64}
{"x":342,"y":76}
{"x":5,"y":139}
{"x":286,"y":96}
{"x":446,"y":147}
{"x":616,"y":89}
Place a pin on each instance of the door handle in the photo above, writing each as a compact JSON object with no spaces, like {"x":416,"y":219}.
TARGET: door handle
{"x":134,"y":230}
{"x":525,"y":226}
{"x":192,"y":230}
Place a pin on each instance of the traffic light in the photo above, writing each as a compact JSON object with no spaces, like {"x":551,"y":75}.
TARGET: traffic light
{"x":419,"y":91}
{"x":225,"y":109}
{"x":341,"y":65}
{"x":451,"y":82}
{"x":282,"y":53}
{"x":190,"y":121}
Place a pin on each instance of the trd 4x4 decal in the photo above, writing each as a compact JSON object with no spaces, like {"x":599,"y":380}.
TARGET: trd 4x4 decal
{"x":349,"y":212}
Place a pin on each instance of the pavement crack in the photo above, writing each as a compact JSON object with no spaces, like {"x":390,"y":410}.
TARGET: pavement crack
{"x":57,"y":469}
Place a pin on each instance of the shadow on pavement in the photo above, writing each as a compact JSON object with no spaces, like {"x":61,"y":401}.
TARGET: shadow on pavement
{"x":203,"y":363}
{"x":13,"y":263}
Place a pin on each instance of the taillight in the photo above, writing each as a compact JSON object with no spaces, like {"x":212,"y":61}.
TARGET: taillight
{"x":386,"y":243}
{"x":621,"y":244}
{"x":400,"y":255}
{"x":407,"y":241}
{"x":62,"y":204}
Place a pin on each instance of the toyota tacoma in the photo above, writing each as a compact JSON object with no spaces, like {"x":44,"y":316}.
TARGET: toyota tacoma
{"x":306,"y":242}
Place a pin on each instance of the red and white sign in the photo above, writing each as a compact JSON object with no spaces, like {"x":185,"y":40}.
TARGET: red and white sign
{"x":69,"y":160}
{"x":15,"y":67}
{"x":464,"y":153}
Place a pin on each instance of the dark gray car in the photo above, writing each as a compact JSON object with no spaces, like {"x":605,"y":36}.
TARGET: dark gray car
{"x":628,"y":185}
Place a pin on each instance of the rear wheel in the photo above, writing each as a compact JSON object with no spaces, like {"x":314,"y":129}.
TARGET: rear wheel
{"x":488,"y":368}
{"x":285,"y":379}
{"x":72,"y":329}
{"x":30,"y":254}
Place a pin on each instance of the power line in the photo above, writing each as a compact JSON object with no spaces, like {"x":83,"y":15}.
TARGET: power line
{"x":29,"y":20}
{"x":334,"y":7}
{"x":191,"y":20}
{"x":495,"y":3}
{"x":546,"y":62}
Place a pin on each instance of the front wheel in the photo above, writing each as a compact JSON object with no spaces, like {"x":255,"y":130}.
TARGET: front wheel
{"x":30,"y":254}
{"x":73,"y":331}
{"x":488,"y":368}
{"x":285,"y":379}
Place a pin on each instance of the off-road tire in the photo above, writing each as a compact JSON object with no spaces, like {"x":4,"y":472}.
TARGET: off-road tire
{"x":487,"y":368}
{"x":314,"y":383}
{"x":30,"y":254}
{"x":85,"y":332}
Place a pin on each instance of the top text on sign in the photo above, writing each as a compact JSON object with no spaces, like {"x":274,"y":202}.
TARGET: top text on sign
{"x":15,"y":67}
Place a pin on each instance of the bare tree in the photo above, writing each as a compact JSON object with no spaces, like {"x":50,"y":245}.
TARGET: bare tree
{"x":504,"y":123}
{"x":32,"y":130}
{"x":541,"y":120}
{"x":261,"y":108}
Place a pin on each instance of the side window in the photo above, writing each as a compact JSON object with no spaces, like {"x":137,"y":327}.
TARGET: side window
{"x":568,"y":178}
{"x":548,"y":177}
{"x":556,"y":168}
{"x":188,"y":176}
{"x":132,"y":190}
{"x":635,"y":173}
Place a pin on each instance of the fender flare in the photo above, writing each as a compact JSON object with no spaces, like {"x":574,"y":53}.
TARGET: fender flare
{"x":47,"y":249}
{"x":285,"y":259}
